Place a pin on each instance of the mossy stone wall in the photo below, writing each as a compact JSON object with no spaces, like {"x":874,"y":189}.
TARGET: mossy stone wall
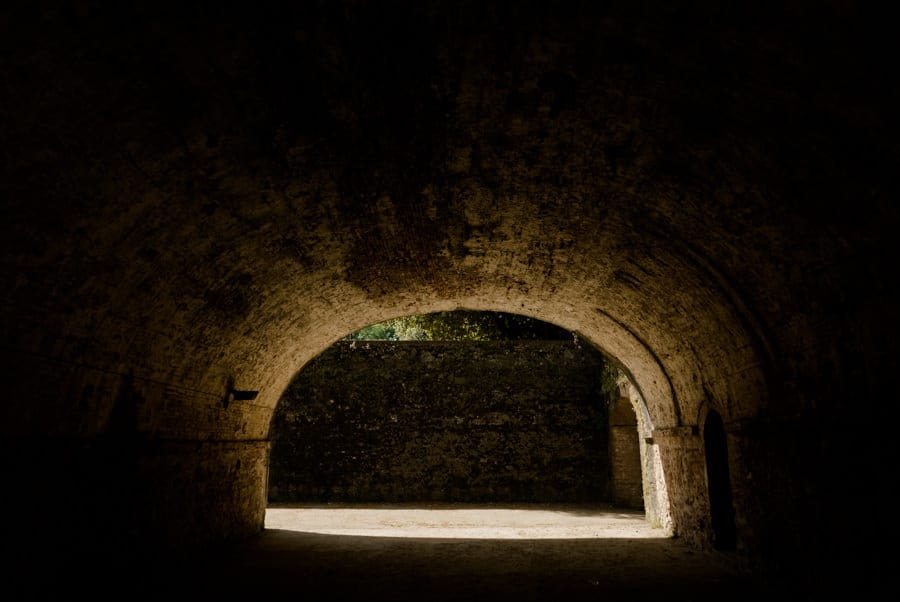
{"x":499,"y":421}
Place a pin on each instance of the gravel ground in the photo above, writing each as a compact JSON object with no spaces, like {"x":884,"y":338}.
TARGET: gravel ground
{"x":462,"y":522}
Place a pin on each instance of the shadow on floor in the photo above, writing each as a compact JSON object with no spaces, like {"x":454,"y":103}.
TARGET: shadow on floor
{"x":375,"y":569}
{"x":282,"y":564}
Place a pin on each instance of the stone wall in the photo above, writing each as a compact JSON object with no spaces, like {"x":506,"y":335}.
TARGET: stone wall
{"x":443,"y":421}
{"x":625,"y":455}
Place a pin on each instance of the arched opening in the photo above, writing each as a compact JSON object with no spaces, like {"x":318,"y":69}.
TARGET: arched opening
{"x":719,"y":483}
{"x":456,"y":408}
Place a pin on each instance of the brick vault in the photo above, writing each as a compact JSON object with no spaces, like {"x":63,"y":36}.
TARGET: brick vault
{"x":196,"y":202}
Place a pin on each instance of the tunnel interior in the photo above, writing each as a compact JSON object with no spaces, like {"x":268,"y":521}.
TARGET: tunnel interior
{"x":200,"y":199}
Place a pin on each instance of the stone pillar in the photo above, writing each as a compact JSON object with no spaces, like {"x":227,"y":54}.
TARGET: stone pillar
{"x":195,"y":492}
{"x":680,"y":450}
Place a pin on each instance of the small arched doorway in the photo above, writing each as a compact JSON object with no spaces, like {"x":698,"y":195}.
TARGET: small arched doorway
{"x":719,"y":483}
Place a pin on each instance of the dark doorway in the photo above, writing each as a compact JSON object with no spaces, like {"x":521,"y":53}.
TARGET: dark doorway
{"x":719,"y":482}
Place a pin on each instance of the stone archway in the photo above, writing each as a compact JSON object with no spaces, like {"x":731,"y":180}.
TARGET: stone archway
{"x":483,"y":421}
{"x":201,"y":202}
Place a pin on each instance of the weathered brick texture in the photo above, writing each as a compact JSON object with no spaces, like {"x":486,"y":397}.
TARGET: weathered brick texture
{"x":443,"y":421}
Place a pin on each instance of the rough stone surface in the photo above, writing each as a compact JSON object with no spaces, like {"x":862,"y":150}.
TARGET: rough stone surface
{"x":626,"y":477}
{"x":204,"y":197}
{"x":487,"y":421}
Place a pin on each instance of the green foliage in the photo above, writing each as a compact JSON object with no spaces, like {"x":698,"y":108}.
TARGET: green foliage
{"x":383,"y":331}
{"x":609,"y":381}
{"x":462,"y":325}
{"x":608,"y":393}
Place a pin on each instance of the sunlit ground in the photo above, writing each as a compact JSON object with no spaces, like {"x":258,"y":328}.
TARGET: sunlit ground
{"x":464,"y":521}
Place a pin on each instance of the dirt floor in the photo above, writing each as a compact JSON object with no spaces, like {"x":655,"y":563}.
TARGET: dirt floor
{"x":464,"y":553}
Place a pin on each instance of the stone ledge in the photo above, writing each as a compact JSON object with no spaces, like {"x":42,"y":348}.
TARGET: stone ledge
{"x":676,"y":436}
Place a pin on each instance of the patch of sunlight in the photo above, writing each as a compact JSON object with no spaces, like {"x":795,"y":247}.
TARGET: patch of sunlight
{"x":469,"y":522}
